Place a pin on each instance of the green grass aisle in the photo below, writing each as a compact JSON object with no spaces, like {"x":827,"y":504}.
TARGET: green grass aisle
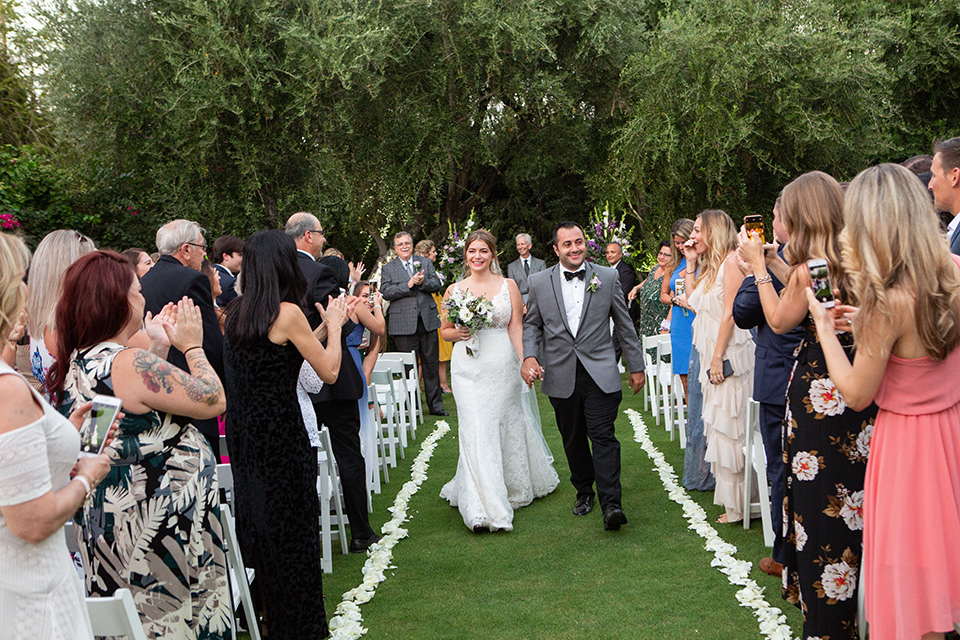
{"x":556,"y":575}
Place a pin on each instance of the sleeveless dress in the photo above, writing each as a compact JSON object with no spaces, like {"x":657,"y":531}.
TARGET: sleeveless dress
{"x":275,"y":485}
{"x":681,"y":327}
{"x":41,"y":597}
{"x":825,"y":452}
{"x":153,"y":524}
{"x":911,"y":515}
{"x":504,"y":461}
{"x":652,"y":311}
{"x":725,"y":405}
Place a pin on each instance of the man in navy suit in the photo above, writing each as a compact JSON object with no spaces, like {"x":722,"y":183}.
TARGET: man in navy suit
{"x":945,"y":185}
{"x":227,"y":258}
{"x":175,"y":275}
{"x":774,"y":362}
{"x":336,"y":404}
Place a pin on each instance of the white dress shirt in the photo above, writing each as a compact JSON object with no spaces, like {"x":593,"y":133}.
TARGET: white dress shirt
{"x":573,"y":291}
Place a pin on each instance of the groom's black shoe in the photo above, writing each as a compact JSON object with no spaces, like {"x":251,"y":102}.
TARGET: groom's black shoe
{"x":613,"y":518}
{"x":584,"y":505}
{"x":441,"y":412}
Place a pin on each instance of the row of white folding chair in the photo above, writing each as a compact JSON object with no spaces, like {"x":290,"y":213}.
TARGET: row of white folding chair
{"x":237,"y":573}
{"x":409,"y":359}
{"x":116,"y":616}
{"x":650,"y":388}
{"x":755,"y":470}
{"x":407,"y":388}
{"x":385,"y":393}
{"x":379,"y":454}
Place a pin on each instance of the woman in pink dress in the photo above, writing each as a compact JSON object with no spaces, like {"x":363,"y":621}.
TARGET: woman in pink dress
{"x":907,"y":330}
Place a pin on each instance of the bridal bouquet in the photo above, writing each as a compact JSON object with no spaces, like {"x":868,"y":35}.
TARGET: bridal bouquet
{"x":464,"y":308}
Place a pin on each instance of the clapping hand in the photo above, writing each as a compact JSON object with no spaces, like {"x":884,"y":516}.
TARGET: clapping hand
{"x":153,"y":326}
{"x":186,"y":330}
{"x":16,"y":333}
{"x":356,"y":272}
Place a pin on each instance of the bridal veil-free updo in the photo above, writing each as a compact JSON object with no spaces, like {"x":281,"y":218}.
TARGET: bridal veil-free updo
{"x":487,"y":238}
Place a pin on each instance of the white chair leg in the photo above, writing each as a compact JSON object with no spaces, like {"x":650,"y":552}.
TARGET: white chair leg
{"x":239,"y":573}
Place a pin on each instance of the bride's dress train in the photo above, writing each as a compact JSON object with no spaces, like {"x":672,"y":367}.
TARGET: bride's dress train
{"x":504,"y":461}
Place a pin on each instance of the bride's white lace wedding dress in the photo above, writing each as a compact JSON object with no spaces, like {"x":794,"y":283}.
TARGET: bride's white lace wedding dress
{"x":504,"y":461}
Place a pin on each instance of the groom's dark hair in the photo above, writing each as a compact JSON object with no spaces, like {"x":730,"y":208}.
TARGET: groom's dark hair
{"x":566,"y":224}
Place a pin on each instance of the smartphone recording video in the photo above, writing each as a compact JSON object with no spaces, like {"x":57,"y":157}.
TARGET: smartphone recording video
{"x":93,"y":433}
{"x":754,"y":224}
{"x":820,"y":282}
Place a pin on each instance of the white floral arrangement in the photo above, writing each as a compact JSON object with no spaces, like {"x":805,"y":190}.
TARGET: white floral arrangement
{"x":474,"y":313}
{"x":773,"y":623}
{"x":347,"y":622}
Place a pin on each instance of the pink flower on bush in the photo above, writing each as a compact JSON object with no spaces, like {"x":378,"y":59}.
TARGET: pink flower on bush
{"x":8,"y":221}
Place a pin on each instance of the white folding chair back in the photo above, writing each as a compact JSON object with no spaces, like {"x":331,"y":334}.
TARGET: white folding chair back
{"x":406,"y":393}
{"x":328,"y":485}
{"x":115,"y":616}
{"x":381,"y":451}
{"x":680,"y":402}
{"x":649,"y":363}
{"x":382,"y":381}
{"x":665,"y":380}
{"x":862,"y":626}
{"x":238,"y":575}
{"x":755,"y":470}
{"x":409,"y":359}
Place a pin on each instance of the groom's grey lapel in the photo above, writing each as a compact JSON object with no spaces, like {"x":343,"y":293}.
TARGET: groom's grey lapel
{"x":558,"y":294}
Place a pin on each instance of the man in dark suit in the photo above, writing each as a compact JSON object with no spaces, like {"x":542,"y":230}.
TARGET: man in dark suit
{"x":945,"y":185}
{"x":175,"y":275}
{"x":407,"y":283}
{"x":524,"y":266}
{"x":227,"y":258}
{"x":628,"y":277}
{"x":774,"y":362}
{"x":336,"y":404}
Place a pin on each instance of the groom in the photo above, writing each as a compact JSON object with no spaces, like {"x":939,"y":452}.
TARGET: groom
{"x":569,"y":308}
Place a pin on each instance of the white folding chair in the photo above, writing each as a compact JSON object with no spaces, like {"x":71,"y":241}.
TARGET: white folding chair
{"x":755,"y":468}
{"x":862,"y":626}
{"x":381,"y":450}
{"x":382,"y":382}
{"x":328,"y":490}
{"x":680,"y":403}
{"x":405,"y":395}
{"x":409,"y":359}
{"x":649,"y":364}
{"x":665,"y":380}
{"x":238,"y":575}
{"x":116,"y":615}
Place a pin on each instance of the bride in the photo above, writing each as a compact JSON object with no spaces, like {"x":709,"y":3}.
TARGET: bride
{"x":504,"y":461}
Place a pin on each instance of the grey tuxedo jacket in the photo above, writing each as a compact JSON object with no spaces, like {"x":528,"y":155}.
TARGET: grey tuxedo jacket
{"x":955,"y":241}
{"x":406,"y":304}
{"x":516,"y":273}
{"x":546,"y":324}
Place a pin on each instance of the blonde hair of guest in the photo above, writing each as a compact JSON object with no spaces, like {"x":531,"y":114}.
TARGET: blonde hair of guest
{"x":14,"y":258}
{"x":57,"y":251}
{"x":721,"y":238}
{"x":892,"y":241}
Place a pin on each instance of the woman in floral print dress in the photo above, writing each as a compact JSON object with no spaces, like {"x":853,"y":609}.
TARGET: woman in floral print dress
{"x":153,"y":524}
{"x":825,"y":442}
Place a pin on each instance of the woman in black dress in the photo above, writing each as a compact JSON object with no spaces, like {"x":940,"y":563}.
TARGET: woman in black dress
{"x":274,"y":468}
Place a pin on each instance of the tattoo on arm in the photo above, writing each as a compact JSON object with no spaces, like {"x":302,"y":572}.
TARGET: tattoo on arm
{"x":203,"y":385}
{"x":159,"y":375}
{"x":156,"y":373}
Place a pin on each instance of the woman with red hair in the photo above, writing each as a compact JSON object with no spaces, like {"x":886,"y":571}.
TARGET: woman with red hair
{"x":152,"y":526}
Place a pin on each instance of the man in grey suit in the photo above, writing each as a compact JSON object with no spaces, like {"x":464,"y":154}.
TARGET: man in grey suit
{"x":412,"y":319}
{"x":568,"y":313}
{"x":525,"y":266}
{"x":945,"y":185}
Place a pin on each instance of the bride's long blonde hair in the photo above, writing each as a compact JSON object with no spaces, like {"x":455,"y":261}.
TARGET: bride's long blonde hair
{"x":892,"y":240}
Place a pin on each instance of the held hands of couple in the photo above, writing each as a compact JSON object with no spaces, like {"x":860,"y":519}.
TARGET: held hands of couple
{"x":531,"y":370}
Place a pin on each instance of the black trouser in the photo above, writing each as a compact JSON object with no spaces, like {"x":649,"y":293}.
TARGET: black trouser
{"x":589,"y":414}
{"x":427,"y":346}
{"x":771,"y":431}
{"x":342,"y":418}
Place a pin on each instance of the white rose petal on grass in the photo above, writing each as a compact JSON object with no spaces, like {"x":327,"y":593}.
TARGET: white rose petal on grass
{"x":805,"y":465}
{"x":852,"y":510}
{"x":839,"y":580}
{"x":825,"y":397}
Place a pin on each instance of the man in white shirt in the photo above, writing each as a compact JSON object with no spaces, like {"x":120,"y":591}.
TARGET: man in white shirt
{"x":525,"y":266}
{"x":945,"y":185}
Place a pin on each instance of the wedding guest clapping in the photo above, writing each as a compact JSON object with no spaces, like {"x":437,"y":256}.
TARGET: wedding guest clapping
{"x":907,"y":331}
{"x":153,"y":525}
{"x":654,"y":314}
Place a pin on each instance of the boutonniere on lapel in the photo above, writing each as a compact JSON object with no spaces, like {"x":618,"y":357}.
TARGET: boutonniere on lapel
{"x":417,"y":266}
{"x":594,"y":285}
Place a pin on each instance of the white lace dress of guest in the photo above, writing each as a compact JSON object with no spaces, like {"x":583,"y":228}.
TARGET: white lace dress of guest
{"x":41,"y":596}
{"x":504,"y":461}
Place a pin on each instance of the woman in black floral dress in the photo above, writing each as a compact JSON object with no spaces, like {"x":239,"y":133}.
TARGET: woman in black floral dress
{"x":825,"y":442}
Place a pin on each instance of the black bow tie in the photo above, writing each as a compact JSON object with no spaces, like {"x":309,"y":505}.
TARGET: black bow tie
{"x":570,"y":275}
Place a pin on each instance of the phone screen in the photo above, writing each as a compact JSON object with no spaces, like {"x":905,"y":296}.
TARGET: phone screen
{"x":374,"y":286}
{"x":820,"y":281}
{"x":681,"y":286}
{"x":96,"y":426}
{"x":755,"y":224}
